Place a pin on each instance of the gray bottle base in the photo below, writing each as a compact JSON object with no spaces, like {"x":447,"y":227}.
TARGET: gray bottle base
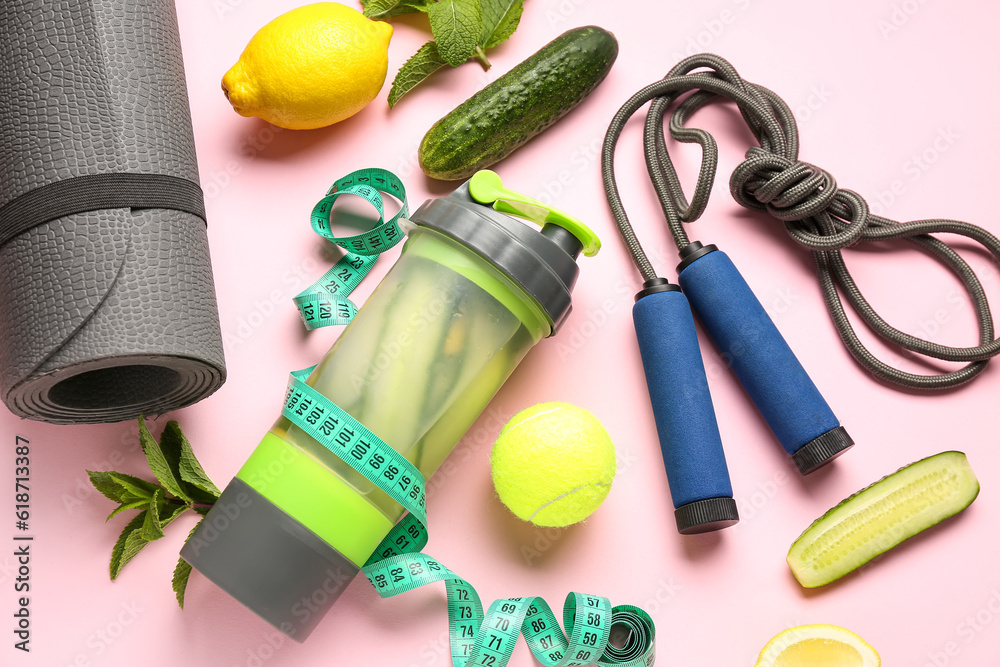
{"x":268,"y":561}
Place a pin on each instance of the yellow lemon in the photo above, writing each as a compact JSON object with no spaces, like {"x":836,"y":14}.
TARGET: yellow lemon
{"x":818,"y":646}
{"x":310,"y":67}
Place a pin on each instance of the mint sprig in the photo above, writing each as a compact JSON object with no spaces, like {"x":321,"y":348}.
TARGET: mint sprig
{"x":182,"y":485}
{"x":421,"y":64}
{"x":462,"y":29}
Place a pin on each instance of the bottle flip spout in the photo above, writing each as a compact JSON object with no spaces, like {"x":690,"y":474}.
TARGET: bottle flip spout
{"x":486,"y":187}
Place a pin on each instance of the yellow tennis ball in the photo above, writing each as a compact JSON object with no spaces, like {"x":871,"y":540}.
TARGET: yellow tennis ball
{"x":553,"y":464}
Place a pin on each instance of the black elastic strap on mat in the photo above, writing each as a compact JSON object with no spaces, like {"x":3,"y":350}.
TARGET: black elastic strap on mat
{"x":95,"y":192}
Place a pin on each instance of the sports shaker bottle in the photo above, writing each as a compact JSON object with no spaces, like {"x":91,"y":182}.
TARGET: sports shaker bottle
{"x":472,"y":291}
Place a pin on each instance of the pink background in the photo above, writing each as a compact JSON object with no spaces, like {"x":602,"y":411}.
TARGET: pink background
{"x":867,"y":81}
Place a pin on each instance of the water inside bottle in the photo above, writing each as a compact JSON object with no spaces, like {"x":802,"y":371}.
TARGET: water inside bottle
{"x":416,"y":367}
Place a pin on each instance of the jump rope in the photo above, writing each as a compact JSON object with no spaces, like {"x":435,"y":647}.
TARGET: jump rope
{"x":820,"y":217}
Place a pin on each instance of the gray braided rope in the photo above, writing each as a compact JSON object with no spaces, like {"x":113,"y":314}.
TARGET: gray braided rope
{"x":816,"y":213}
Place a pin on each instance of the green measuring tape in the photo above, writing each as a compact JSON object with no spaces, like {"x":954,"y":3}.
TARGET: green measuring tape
{"x":325,"y":302}
{"x":597,"y":632}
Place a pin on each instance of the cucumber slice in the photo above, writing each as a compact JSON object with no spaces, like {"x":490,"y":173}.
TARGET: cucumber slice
{"x":879,"y":517}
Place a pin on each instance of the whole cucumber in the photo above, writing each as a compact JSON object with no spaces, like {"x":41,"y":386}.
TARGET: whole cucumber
{"x":507,"y":113}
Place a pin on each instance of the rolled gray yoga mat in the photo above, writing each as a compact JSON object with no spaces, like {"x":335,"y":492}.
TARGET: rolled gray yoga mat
{"x":107,"y":305}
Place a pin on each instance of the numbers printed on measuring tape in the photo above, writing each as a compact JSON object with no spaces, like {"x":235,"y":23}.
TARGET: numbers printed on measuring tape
{"x":477,"y":638}
{"x":340,"y":433}
{"x":325,"y":302}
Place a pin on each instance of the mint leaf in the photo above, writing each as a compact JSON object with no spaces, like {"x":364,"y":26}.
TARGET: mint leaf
{"x":170,"y":511}
{"x":134,"y":543}
{"x":500,"y":19}
{"x":111,"y":489}
{"x":151,"y":527}
{"x":421,"y":64}
{"x":129,"y":543}
{"x":384,"y":9}
{"x":133,"y":488}
{"x":182,"y":572}
{"x":138,"y":504}
{"x":120,"y":487}
{"x":456,"y":25}
{"x":164,"y":460}
{"x":195,"y":482}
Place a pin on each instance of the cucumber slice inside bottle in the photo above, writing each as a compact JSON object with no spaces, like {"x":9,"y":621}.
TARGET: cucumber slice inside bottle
{"x":879,"y":517}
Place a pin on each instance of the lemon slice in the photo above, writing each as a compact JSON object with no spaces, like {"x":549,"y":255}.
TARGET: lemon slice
{"x":818,"y":646}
